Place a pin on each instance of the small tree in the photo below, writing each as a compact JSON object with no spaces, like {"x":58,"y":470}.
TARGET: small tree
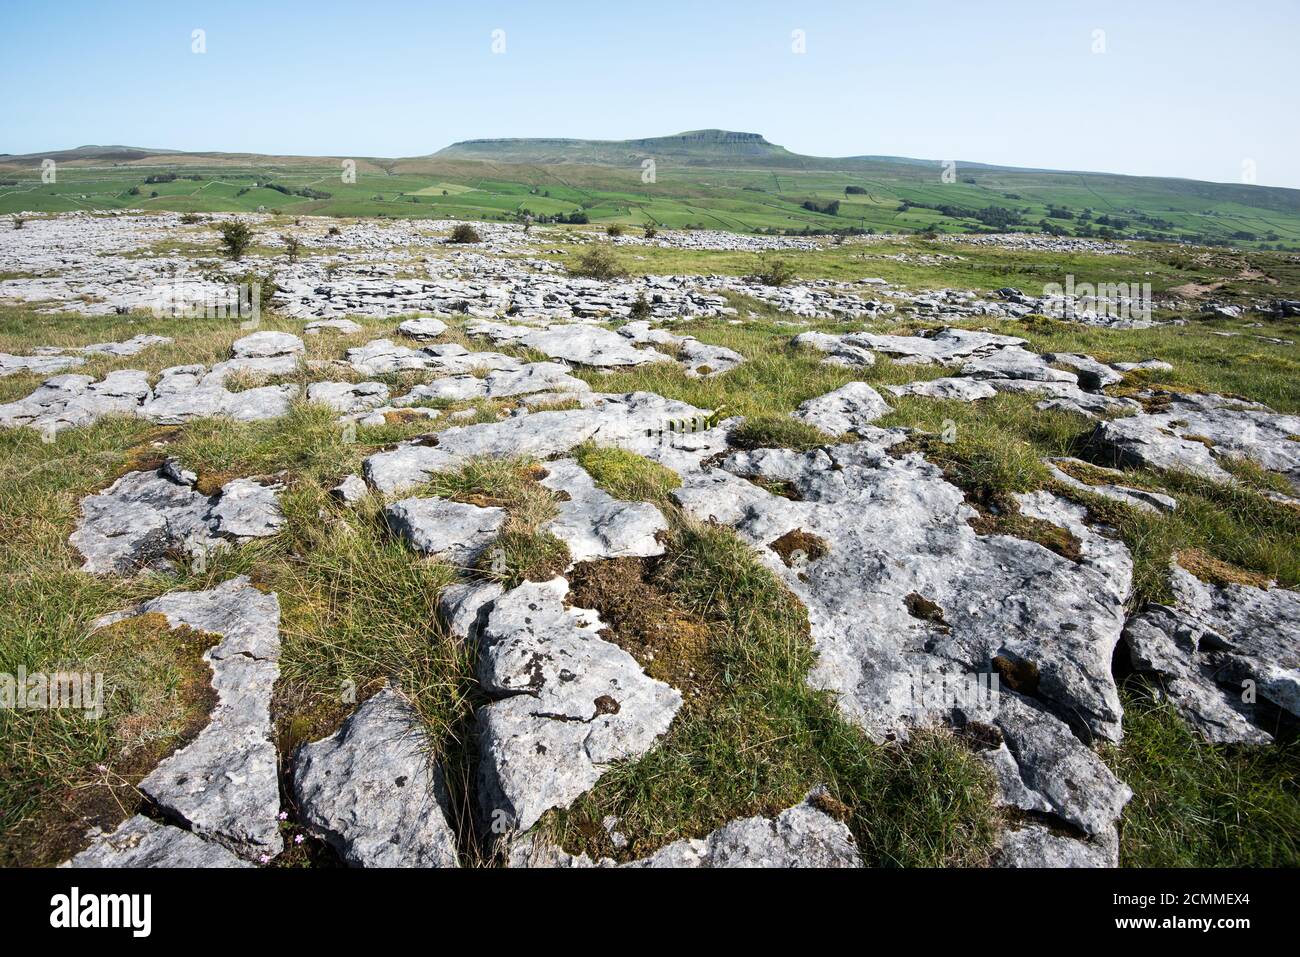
{"x":236,"y":236}
{"x":464,"y":233}
{"x":189,"y":219}
{"x":18,"y":222}
{"x":598,"y":263}
{"x":614,"y":231}
{"x":641,"y":308}
{"x":651,"y":232}
{"x":292,"y":246}
{"x":773,"y":271}
{"x":334,"y":231}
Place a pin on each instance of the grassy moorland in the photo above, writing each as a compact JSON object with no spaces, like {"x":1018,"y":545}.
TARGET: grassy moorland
{"x":359,"y":607}
{"x":700,"y":183}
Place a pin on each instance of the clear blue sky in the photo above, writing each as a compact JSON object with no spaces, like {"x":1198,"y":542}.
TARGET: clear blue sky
{"x":1188,"y":88}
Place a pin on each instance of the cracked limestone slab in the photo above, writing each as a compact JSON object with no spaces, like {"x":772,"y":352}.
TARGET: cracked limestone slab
{"x":952,"y":387}
{"x":1014,"y":362}
{"x":874,"y":531}
{"x":594,"y":524}
{"x":1210,"y":643}
{"x":344,"y":327}
{"x":849,"y":408}
{"x":224,"y":785}
{"x":579,"y":343}
{"x":455,"y":532}
{"x":1035,"y":845}
{"x":803,"y":836}
{"x":568,"y":704}
{"x":701,"y":360}
{"x":1092,"y":375}
{"x":1067,"y":396}
{"x":947,"y":346}
{"x":348,"y":397}
{"x":140,"y":518}
{"x":141,"y":842}
{"x":461,"y":606}
{"x":638,"y":421}
{"x":1193,"y":432}
{"x":73,"y":401}
{"x":373,"y":791}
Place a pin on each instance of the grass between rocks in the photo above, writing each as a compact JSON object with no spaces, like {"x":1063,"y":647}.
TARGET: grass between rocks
{"x":758,"y":737}
{"x":1199,"y":805}
{"x":359,"y":607}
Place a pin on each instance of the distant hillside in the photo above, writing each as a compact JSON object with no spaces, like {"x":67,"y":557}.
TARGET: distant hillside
{"x":711,"y":178}
{"x":697,"y":147}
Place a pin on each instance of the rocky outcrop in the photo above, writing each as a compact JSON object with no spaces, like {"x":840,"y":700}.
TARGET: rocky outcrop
{"x":143,"y":517}
{"x":223,"y":786}
{"x":455,"y":532}
{"x":1225,"y":655}
{"x":141,"y":842}
{"x":373,"y":791}
{"x":567,"y":704}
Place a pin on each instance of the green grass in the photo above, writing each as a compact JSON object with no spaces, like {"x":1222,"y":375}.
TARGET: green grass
{"x":1198,"y":805}
{"x":760,"y":737}
{"x":626,"y":475}
{"x":359,"y":607}
{"x":762,"y":197}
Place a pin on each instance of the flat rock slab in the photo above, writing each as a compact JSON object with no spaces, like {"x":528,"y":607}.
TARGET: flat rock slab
{"x":455,"y":532}
{"x":140,"y":518}
{"x":952,"y":387}
{"x":947,"y":346}
{"x":1014,"y":362}
{"x":1194,"y":431}
{"x":224,"y":784}
{"x":422,"y":328}
{"x":637,"y":421}
{"x":1214,"y":644}
{"x":702,"y":361}
{"x":568,"y":704}
{"x":594,"y":524}
{"x":579,"y":343}
{"x":373,"y":792}
{"x":847,"y":409}
{"x":802,"y":836}
{"x":462,"y":606}
{"x":1036,"y":846}
{"x":348,"y":397}
{"x":141,"y":842}
{"x":1067,"y":396}
{"x":344,"y":327}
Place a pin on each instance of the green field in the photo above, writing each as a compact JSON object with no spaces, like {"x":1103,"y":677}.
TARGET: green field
{"x":766,"y":189}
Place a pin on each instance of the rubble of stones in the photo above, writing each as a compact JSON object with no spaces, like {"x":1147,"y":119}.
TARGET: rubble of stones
{"x":95,"y":264}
